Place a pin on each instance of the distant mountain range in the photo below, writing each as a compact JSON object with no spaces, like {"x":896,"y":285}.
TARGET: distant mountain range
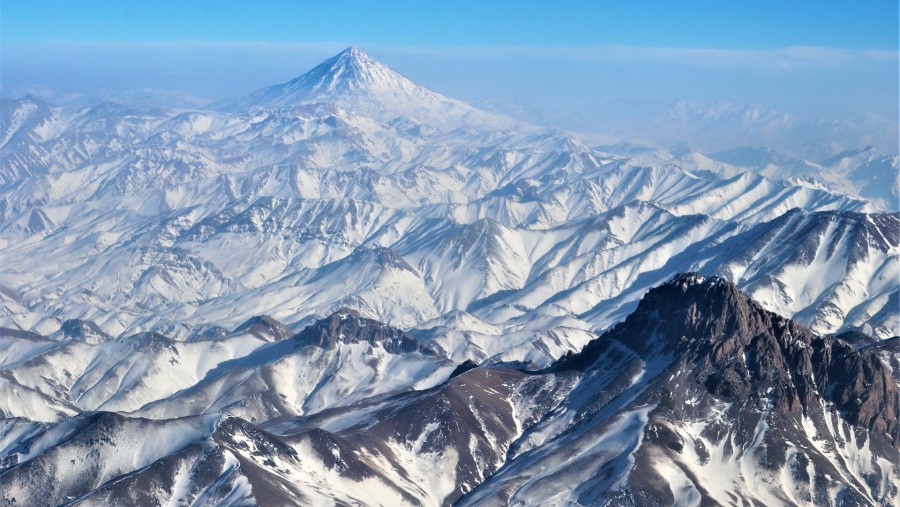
{"x":349,"y":289}
{"x":717,"y":126}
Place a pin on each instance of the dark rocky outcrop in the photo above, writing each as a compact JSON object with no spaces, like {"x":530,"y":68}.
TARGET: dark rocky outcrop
{"x":856,"y":338}
{"x":740,"y":351}
{"x":889,"y":351}
{"x":463,"y":367}
{"x":83,"y":331}
{"x":761,"y":387}
{"x":265,"y":327}
{"x":347,"y":326}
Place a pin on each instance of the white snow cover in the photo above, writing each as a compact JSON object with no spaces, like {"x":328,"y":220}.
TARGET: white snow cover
{"x":486,"y":239}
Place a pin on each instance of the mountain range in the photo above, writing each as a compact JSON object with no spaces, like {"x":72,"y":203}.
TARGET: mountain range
{"x":717,"y":126}
{"x":699,"y":396}
{"x":348,"y":288}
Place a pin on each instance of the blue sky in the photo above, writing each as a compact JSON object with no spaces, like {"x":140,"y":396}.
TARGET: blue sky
{"x":822,"y":57}
{"x":757,"y":24}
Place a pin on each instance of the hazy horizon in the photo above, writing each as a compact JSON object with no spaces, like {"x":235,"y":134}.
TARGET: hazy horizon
{"x":580,"y":66}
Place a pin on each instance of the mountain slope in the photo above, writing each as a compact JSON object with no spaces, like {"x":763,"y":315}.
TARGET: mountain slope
{"x":699,"y":396}
{"x":259,"y":371}
{"x":703,"y":396}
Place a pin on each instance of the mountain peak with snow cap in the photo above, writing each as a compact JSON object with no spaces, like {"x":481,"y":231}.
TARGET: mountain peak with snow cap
{"x":354,"y":54}
{"x":356,"y":82}
{"x":351,"y":70}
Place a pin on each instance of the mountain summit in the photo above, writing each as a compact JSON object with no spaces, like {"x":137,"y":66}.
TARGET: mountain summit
{"x":350,"y":72}
{"x":358,"y":83}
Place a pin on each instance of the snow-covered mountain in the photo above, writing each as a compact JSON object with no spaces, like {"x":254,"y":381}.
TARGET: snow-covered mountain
{"x":354,"y":81}
{"x":258,"y":371}
{"x":702,"y":396}
{"x":353,"y":267}
{"x":699,"y":396}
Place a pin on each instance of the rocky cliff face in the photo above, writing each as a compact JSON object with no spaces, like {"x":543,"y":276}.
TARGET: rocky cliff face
{"x":740,"y":351}
{"x":83,"y":330}
{"x":701,"y":395}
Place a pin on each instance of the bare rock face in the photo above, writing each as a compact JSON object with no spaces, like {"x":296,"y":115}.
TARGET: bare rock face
{"x":265,"y":327}
{"x":347,"y":326}
{"x":889,"y":352}
{"x":740,"y":351}
{"x":84,"y":331}
{"x":859,"y":385}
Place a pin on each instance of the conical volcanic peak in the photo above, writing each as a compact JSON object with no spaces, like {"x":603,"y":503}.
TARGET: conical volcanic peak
{"x":350,"y":71}
{"x":354,"y":57}
{"x":354,"y":81}
{"x":350,"y":78}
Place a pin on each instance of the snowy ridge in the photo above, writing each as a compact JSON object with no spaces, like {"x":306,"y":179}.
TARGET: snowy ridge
{"x":350,"y":289}
{"x":335,"y":361}
{"x":699,"y":395}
